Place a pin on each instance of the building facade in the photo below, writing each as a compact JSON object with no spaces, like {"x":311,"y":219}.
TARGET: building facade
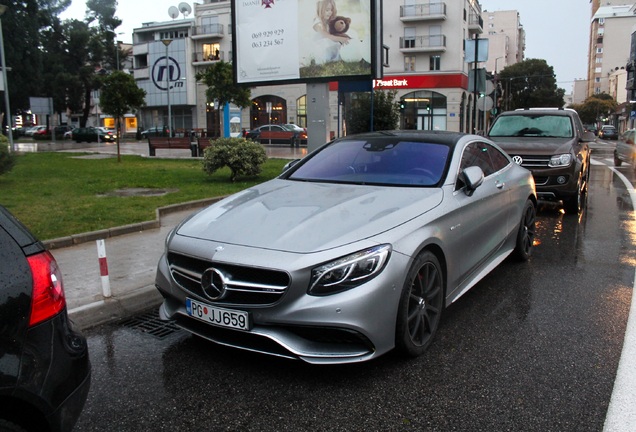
{"x":425,"y":65}
{"x":610,"y":31}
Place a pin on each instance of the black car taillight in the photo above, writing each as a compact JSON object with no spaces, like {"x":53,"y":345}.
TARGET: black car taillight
{"x":48,"y":291}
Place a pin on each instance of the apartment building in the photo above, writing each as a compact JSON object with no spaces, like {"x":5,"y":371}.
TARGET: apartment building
{"x":425,"y":65}
{"x":610,"y":32}
{"x":507,"y":39}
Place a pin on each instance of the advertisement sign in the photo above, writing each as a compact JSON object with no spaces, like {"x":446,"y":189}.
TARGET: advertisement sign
{"x":305,"y":40}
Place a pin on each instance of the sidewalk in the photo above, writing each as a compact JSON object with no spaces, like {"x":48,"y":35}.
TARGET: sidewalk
{"x":132,"y":252}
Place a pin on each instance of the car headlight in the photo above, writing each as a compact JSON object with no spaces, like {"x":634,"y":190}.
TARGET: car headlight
{"x":349,"y":271}
{"x":560,"y":160}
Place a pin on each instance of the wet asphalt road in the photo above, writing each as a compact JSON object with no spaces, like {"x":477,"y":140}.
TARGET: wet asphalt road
{"x":533,"y":347}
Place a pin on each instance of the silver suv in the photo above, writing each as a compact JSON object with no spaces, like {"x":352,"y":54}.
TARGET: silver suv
{"x":552,"y":143}
{"x":626,"y":149}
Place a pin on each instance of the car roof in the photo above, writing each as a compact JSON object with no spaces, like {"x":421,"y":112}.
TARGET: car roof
{"x":547,"y":111}
{"x":435,"y":137}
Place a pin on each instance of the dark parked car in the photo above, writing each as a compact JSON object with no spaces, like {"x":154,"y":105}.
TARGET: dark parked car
{"x":553,"y":144}
{"x":91,"y":134}
{"x":155,"y":132}
{"x":351,"y":252}
{"x":626,"y":149}
{"x":608,"y":132}
{"x":45,"y":370}
{"x":278,"y":134}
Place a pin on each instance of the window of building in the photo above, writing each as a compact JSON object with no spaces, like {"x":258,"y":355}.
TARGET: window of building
{"x":601,"y":21}
{"x":599,"y":59}
{"x":211,"y":52}
{"x":597,"y":79}
{"x":599,"y":50}
{"x":435,"y":62}
{"x":409,"y":37}
{"x":409,"y":63}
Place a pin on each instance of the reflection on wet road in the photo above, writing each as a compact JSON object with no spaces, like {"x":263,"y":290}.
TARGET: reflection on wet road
{"x":532,"y":347}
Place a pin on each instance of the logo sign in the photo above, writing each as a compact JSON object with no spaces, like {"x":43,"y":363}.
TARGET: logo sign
{"x":171,"y":71}
{"x":517,"y":159}
{"x":213,"y":283}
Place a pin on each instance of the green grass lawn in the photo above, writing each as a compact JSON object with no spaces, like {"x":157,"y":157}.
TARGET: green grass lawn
{"x":56,"y":194}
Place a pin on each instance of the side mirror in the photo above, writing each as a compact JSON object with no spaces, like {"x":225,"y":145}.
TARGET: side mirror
{"x":473,"y":178}
{"x":290,"y":164}
{"x":588,"y":137}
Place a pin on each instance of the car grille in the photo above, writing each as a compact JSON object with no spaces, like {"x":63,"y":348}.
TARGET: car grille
{"x":530,"y":162}
{"x":244,"y":285}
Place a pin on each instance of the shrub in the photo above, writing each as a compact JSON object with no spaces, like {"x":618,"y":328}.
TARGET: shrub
{"x":7,"y":159}
{"x":243,"y":157}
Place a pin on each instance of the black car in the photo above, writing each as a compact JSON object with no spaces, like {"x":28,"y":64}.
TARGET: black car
{"x":91,"y":134}
{"x":608,"y":132}
{"x":155,"y":132}
{"x":45,"y":371}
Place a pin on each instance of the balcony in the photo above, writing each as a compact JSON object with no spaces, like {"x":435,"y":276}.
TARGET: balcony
{"x":475,"y":23}
{"x":436,"y":43}
{"x":423,"y":12}
{"x":200,"y":58}
{"x":211,"y":31}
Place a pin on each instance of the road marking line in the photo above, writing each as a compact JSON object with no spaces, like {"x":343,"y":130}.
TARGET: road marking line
{"x":621,"y":413}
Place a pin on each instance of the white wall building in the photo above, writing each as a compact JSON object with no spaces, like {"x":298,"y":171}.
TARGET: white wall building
{"x":425,"y":66}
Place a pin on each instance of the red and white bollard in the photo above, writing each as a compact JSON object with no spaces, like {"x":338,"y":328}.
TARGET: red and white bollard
{"x":103,"y":268}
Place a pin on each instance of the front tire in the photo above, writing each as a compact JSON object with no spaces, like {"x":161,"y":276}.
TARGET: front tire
{"x":420,"y":306}
{"x":527,"y":231}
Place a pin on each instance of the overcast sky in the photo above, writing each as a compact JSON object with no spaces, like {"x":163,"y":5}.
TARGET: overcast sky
{"x":556,"y":30}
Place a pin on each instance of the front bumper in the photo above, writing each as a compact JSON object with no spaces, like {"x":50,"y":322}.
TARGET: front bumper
{"x":350,"y":326}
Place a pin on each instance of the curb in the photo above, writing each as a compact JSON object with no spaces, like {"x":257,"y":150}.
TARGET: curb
{"x":76,"y":239}
{"x":115,"y":308}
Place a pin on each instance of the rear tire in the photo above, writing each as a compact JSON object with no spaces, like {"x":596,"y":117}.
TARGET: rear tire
{"x":617,"y":161}
{"x":527,"y":231}
{"x":420,"y":307}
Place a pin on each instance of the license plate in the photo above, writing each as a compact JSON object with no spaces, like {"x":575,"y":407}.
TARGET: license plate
{"x":218,"y":316}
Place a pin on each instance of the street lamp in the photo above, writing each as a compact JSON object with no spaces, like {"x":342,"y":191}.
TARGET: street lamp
{"x":3,"y":8}
{"x":117,"y":47}
{"x":496,"y":107}
{"x":167,"y":42}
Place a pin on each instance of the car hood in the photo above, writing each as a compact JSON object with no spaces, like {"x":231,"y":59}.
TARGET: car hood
{"x":534,"y":145}
{"x":304,"y":217}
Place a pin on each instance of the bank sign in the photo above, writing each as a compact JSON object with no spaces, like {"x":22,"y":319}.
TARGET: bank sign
{"x":398,"y":82}
{"x":165,"y":74}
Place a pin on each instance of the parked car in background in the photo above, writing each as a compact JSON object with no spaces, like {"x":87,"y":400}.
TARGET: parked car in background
{"x":68,"y":135}
{"x":358,"y":248}
{"x":45,"y":371}
{"x":608,"y":132}
{"x":553,"y":144}
{"x":35,"y":130}
{"x":625,"y":150}
{"x":278,"y":134}
{"x":92,"y":134}
{"x":591,"y":128}
{"x":159,"y":131}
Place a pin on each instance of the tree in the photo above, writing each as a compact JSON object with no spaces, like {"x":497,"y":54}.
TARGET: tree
{"x":386,"y":112}
{"x":120,"y":95}
{"x":221,"y":87}
{"x":23,"y":23}
{"x":592,"y":109}
{"x":530,"y":83}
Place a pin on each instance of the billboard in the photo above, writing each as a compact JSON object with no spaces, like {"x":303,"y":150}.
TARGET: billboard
{"x":282,"y":41}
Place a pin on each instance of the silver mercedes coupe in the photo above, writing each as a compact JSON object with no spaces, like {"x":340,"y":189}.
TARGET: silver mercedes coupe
{"x":352,"y":251}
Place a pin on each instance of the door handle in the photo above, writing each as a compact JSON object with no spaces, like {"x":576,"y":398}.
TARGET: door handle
{"x":500,"y":185}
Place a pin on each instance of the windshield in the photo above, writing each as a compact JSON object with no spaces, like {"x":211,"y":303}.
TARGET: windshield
{"x":378,"y":161}
{"x":540,"y":125}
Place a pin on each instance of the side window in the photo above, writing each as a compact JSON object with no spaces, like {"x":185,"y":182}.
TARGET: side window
{"x":498,"y":159}
{"x":477,"y":154}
